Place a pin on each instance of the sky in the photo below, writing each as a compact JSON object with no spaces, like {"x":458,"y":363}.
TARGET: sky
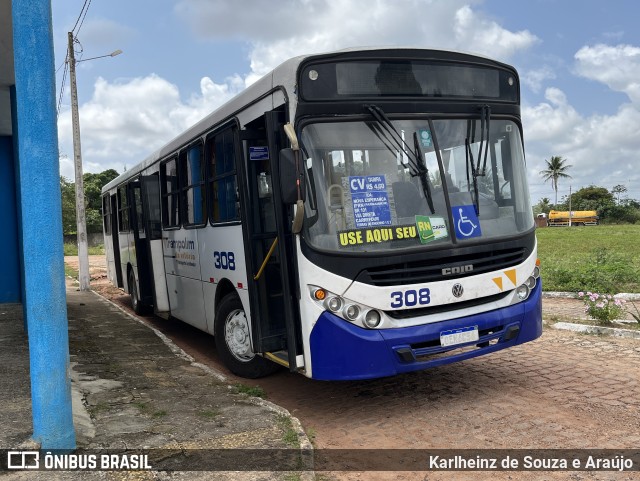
{"x":578,"y":60}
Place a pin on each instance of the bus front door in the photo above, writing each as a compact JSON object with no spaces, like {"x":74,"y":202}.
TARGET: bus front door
{"x":269,"y":237}
{"x":142,"y":255}
{"x":116,"y":239}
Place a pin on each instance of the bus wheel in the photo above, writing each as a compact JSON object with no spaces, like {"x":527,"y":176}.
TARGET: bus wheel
{"x":136,"y":304}
{"x":233,"y":341}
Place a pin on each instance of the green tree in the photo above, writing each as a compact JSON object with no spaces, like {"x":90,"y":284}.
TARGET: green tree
{"x":592,"y":198}
{"x":542,"y":207}
{"x":93,"y":184}
{"x":556,"y":169}
{"x":68,"y":192}
{"x":617,"y":190}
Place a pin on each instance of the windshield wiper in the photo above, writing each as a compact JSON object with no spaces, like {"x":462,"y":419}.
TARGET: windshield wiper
{"x":388,"y":134}
{"x":485,"y":118}
{"x":391,"y":134}
{"x":423,"y":173}
{"x":476,"y":171}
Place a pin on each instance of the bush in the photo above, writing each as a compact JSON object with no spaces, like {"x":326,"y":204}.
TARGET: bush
{"x":602,"y":307}
{"x":72,"y":250}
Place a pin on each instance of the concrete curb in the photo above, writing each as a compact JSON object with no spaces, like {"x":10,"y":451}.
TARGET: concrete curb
{"x":610,"y":331}
{"x":627,"y":296}
{"x":303,"y":439}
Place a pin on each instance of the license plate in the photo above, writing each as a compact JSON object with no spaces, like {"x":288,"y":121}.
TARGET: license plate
{"x":459,"y":336}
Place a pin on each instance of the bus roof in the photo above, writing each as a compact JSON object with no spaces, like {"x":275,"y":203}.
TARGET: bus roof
{"x":283,"y":76}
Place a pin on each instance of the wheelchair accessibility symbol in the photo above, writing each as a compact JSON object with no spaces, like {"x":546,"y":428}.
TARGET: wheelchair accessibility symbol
{"x":465,"y":221}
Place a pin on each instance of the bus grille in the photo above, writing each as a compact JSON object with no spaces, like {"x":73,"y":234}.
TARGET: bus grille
{"x":430,"y":270}
{"x":429,"y":310}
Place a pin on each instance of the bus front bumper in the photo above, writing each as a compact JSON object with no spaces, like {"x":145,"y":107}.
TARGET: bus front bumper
{"x":342,"y":351}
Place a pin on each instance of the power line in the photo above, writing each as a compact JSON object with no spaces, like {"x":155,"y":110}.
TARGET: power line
{"x":84,"y":16}
{"x":64,"y":79}
{"x":79,"y":21}
{"x":83,"y":13}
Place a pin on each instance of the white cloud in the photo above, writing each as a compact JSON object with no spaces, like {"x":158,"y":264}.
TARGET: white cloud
{"x":535,"y":78}
{"x":127,"y":120}
{"x":616,"y":66}
{"x":313,"y":26}
{"x":603,"y":149}
{"x":550,"y":121}
{"x":487,"y":36}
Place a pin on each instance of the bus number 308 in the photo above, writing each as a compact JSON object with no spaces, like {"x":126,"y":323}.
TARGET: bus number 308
{"x":410,"y":298}
{"x":224,"y":260}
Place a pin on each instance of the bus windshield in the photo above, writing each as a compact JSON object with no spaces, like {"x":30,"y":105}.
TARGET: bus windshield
{"x":377,"y":188}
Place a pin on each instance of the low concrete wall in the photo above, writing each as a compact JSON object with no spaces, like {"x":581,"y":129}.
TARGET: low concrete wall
{"x":94,"y":239}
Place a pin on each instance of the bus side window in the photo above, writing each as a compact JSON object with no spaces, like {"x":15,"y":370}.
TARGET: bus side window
{"x":223,"y":184}
{"x":170,"y":194}
{"x":106,"y":214}
{"x":137,"y":206}
{"x":123,"y":209}
{"x":192,"y":170}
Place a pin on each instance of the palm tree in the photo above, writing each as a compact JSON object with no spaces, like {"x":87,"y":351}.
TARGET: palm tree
{"x":545,"y":205}
{"x":556,"y":169}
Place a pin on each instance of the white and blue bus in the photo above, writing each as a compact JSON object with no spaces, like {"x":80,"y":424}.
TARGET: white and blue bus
{"x":351,"y":215}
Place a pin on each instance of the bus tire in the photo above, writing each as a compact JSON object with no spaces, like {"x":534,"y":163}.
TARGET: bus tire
{"x":137,"y":305}
{"x":232,"y":337}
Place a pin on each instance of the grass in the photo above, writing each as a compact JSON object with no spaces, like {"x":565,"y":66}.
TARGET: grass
{"x":145,"y":408}
{"x":604,"y":258}
{"x":290,"y":437}
{"x":254,"y":391}
{"x":209,"y":413}
{"x":72,"y":250}
{"x":70,"y":272}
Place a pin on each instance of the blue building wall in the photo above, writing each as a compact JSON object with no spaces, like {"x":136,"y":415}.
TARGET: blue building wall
{"x":40,"y":221}
{"x":10,"y":288}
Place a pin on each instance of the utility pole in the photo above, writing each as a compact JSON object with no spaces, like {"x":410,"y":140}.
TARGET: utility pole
{"x":83,"y":248}
{"x":83,"y":245}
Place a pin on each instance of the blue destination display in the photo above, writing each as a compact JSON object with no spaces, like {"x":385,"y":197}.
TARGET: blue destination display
{"x":370,"y":200}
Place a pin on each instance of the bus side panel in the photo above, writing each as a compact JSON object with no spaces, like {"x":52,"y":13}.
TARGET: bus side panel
{"x":184,"y":285}
{"x":159,"y":277}
{"x":185,"y":299}
{"x":221,"y":258}
{"x":111,"y":263}
{"x":125,"y":241}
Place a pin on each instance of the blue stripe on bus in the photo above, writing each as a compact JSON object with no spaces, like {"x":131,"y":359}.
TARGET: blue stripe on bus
{"x":342,"y":351}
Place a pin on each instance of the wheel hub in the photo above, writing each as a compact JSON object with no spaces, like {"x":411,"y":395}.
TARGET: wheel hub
{"x":236,"y":333}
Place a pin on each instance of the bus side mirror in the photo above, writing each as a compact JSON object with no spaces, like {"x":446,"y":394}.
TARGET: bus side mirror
{"x":289,"y":177}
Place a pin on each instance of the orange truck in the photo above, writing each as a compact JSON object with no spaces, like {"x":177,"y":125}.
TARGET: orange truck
{"x":575,"y":217}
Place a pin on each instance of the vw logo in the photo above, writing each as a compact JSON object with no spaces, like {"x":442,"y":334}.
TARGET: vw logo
{"x":457,"y":290}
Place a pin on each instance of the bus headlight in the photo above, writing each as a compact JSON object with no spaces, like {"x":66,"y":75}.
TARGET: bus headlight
{"x":522,"y":292}
{"x":372,"y":319}
{"x":351,"y":312}
{"x":357,"y":314}
{"x":531,"y":282}
{"x":334,"y":303}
